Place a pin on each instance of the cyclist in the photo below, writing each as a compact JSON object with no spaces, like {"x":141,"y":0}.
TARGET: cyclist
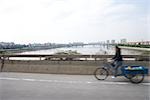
{"x":117,"y":60}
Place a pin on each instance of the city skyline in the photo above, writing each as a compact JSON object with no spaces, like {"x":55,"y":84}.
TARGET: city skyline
{"x":65,"y":21}
{"x":121,"y":41}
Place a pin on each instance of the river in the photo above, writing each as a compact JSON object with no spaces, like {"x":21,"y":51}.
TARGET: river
{"x":110,"y":50}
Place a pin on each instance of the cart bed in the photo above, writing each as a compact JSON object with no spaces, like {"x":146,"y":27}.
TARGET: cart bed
{"x":135,"y":70}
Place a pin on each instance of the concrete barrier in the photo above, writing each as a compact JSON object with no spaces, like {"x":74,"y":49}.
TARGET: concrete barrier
{"x":58,"y":67}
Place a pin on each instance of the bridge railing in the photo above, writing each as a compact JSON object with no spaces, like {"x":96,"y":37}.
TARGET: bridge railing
{"x":71,"y":57}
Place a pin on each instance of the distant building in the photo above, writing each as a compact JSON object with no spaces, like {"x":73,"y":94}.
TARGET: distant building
{"x":140,"y":43}
{"x":123,"y":41}
{"x":113,"y":42}
{"x":108,"y":42}
{"x":7,"y":44}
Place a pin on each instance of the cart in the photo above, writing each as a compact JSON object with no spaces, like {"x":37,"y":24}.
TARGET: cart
{"x":135,"y":74}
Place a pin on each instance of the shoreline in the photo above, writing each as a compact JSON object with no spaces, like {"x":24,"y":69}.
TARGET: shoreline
{"x":135,"y":48}
{"x":14,"y":51}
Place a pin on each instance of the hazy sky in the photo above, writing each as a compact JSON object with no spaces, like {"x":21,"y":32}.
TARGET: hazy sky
{"x":63,"y":21}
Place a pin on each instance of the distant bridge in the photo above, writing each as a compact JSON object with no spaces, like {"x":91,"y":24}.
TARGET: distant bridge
{"x":94,"y":44}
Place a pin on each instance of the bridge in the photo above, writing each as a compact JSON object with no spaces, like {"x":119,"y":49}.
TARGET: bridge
{"x":62,"y":64}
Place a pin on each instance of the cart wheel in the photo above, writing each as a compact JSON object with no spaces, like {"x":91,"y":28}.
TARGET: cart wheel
{"x":138,"y":78}
{"x":101,"y":73}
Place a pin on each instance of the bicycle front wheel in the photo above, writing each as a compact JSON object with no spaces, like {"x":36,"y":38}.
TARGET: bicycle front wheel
{"x":101,"y":73}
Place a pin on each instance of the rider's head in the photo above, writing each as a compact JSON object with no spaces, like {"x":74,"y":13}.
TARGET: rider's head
{"x":117,"y":48}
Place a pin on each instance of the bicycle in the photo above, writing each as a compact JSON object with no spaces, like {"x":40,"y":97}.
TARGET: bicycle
{"x":134,"y":73}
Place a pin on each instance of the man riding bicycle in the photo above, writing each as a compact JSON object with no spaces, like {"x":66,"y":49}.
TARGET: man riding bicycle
{"x":117,"y":60}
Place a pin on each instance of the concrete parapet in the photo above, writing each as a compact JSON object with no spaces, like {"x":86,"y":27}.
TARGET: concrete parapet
{"x":59,"y":67}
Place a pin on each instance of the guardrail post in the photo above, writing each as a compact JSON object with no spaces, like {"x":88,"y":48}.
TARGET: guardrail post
{"x":2,"y":63}
{"x":40,"y":58}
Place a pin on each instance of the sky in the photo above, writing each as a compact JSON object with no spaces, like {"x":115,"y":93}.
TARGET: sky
{"x":65,"y":21}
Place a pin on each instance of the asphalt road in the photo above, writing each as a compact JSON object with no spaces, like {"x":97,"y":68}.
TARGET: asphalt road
{"x":25,"y":86}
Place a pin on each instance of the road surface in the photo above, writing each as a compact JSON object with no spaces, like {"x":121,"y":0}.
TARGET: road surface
{"x":28,"y":86}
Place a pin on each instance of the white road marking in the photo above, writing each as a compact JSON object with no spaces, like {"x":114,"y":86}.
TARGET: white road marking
{"x":71,"y":82}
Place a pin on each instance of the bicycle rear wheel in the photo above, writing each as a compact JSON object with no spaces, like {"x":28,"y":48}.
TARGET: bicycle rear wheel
{"x":101,"y":73}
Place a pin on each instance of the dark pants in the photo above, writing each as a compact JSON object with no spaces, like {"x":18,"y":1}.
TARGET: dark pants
{"x":117,"y":64}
